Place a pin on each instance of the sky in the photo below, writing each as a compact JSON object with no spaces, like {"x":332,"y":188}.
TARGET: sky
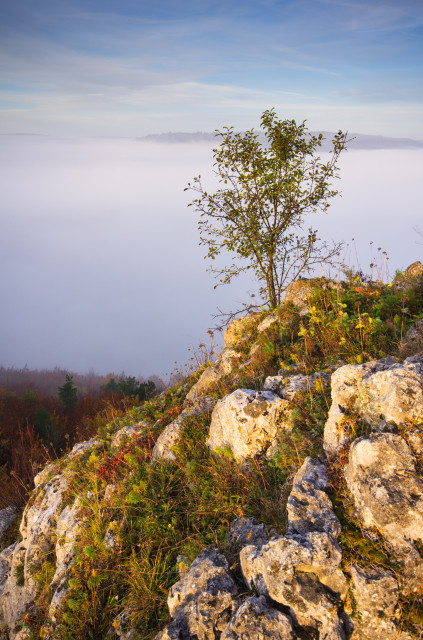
{"x":133,"y":67}
{"x":100,"y":267}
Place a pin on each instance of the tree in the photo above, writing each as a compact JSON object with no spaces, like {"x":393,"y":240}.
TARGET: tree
{"x":267,"y":190}
{"x":129,"y":387}
{"x":68,"y":394}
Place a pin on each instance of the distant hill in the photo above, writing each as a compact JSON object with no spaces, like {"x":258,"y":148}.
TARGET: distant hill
{"x":358,"y":140}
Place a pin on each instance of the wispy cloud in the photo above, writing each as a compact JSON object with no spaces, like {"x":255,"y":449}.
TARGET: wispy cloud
{"x":147,"y":58}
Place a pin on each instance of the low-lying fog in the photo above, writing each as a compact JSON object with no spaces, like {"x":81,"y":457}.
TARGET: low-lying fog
{"x":100,"y":262}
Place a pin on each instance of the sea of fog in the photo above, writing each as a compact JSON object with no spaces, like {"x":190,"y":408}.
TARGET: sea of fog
{"x":100,"y":262}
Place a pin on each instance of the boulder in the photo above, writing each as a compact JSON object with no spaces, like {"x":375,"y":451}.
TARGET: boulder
{"x":412,"y":342}
{"x":388,"y":495}
{"x":256,"y":620}
{"x":297,"y":569}
{"x":203,"y":601}
{"x":411,"y":276}
{"x":247,"y":422}
{"x":239,"y":330}
{"x":128,"y":432}
{"x":265,"y":324}
{"x":380,"y":391}
{"x":225,"y":364}
{"x":376,"y":594}
{"x":287,"y":386}
{"x":172,"y":433}
{"x":298,"y":293}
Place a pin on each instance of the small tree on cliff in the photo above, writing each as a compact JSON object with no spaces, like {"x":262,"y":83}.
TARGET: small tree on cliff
{"x":267,"y":190}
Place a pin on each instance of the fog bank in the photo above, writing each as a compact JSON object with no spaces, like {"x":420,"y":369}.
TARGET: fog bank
{"x":100,"y":262}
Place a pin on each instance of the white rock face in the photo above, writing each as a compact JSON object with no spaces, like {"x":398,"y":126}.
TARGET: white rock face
{"x":169,"y":438}
{"x":376,"y":594}
{"x":203,"y":601}
{"x":239,"y":329}
{"x":37,"y":530}
{"x":388,"y":495}
{"x":128,"y":432}
{"x":288,"y":386}
{"x":294,"y":569}
{"x":255,"y":619}
{"x":247,"y":422}
{"x":45,"y":527}
{"x":172,"y":433}
{"x":382,"y":391}
{"x":228,"y":361}
{"x":267,"y":322}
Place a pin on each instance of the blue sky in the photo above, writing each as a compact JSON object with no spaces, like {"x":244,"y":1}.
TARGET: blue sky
{"x":129,"y":68}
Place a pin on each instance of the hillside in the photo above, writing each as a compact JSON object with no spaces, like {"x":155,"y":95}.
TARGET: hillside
{"x":276,"y":493}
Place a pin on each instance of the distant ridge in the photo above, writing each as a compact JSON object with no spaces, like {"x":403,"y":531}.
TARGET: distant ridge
{"x":358,"y":140}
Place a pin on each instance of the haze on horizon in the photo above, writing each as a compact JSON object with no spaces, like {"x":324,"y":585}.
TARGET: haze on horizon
{"x":100,"y":262}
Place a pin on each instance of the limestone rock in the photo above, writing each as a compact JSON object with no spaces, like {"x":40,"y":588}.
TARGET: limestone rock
{"x":381,"y":391}
{"x":376,"y":594}
{"x":128,"y":432}
{"x":45,"y":527}
{"x":169,"y":438}
{"x":412,"y":275}
{"x":412,"y":342}
{"x":298,"y":293}
{"x":38,"y":528}
{"x":203,"y":601}
{"x":388,"y":495}
{"x":294,"y":569}
{"x":246,"y":531}
{"x":267,"y":322}
{"x":239,"y":329}
{"x":247,"y":422}
{"x":256,"y":620}
{"x":287,"y":386}
{"x":172,"y":433}
{"x":227,"y":361}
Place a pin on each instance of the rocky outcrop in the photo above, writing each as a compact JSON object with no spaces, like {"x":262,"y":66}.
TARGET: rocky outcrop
{"x":20,"y":561}
{"x":247,"y":422}
{"x":226,"y":363}
{"x":206,"y":604}
{"x":240,"y":330}
{"x":381,"y":476}
{"x":410,"y":277}
{"x":287,"y":386}
{"x":256,"y":619}
{"x":172,"y":433}
{"x":297,"y":293}
{"x":290,"y":572}
{"x":376,"y":594}
{"x":203,"y":601}
{"x":301,"y":570}
{"x":49,"y":528}
{"x":412,"y":342}
{"x":381,"y":391}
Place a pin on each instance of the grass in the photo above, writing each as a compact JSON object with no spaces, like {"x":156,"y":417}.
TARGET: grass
{"x":126,"y":553}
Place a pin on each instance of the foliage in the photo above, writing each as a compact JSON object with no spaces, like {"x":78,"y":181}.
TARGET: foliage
{"x":129,"y":387}
{"x":266,"y":192}
{"x":68,"y":394}
{"x":139,"y":516}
